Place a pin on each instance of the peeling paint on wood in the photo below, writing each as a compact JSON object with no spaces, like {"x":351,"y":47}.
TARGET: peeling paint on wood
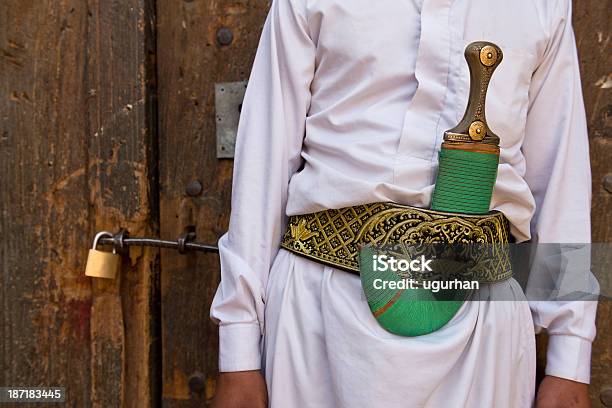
{"x":74,"y":159}
{"x":45,"y":299}
{"x":605,"y":82}
{"x":123,"y":193}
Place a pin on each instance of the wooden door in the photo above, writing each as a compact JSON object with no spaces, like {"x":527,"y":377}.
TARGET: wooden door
{"x":107,"y":120}
{"x":77,"y":155}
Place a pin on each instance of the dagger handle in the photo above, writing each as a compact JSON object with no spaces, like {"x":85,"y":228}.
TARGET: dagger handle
{"x":482,"y":58}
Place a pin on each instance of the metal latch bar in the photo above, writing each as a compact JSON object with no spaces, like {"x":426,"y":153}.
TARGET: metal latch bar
{"x":185,"y":242}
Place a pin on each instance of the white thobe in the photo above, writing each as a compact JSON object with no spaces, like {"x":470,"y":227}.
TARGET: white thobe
{"x":346,"y":104}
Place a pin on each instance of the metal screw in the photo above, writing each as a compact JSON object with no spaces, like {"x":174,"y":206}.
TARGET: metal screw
{"x":607,"y":183}
{"x":194,"y":188}
{"x":606,"y":396}
{"x":224,"y":36}
{"x":196,"y":383}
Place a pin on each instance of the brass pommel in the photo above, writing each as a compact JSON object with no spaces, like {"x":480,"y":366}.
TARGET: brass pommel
{"x":482,"y":58}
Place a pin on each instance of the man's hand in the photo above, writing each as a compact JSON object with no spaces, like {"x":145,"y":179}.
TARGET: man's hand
{"x":558,"y":392}
{"x":241,"y":389}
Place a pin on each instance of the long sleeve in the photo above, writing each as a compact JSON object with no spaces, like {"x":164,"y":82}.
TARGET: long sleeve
{"x":558,"y":173}
{"x":270,"y":134}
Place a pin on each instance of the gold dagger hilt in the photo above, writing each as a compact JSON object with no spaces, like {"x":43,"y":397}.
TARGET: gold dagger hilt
{"x":473,"y":132}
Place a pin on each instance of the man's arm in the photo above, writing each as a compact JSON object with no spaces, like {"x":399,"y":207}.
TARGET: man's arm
{"x":556,"y":150}
{"x":268,"y":147}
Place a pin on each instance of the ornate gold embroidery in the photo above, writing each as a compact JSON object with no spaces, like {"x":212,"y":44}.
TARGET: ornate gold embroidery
{"x":335,"y":236}
{"x":301,"y":234}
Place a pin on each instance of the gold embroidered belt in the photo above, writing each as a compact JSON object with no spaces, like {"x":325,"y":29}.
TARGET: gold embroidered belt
{"x":335,"y":237}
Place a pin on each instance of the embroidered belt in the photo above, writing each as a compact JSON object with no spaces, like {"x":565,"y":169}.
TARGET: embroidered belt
{"x":335,"y":237}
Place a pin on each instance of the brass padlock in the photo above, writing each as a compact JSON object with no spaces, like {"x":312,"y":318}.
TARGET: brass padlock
{"x":102,"y":264}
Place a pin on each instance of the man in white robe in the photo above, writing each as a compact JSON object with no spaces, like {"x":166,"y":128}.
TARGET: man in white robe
{"x":346,"y":104}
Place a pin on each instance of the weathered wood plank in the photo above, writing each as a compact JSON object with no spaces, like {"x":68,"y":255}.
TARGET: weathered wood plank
{"x":123,"y":190}
{"x":46,"y":300}
{"x":76,"y":151}
{"x":190,"y":62}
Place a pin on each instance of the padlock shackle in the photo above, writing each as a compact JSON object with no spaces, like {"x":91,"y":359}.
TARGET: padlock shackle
{"x":100,"y":235}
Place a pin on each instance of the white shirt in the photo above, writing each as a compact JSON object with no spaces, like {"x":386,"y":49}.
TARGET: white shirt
{"x":347,"y":104}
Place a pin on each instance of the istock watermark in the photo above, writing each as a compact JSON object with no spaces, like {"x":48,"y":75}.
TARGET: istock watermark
{"x":383,"y":263}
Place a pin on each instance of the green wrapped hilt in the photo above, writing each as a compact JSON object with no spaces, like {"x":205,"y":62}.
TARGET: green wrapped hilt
{"x":469,"y":155}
